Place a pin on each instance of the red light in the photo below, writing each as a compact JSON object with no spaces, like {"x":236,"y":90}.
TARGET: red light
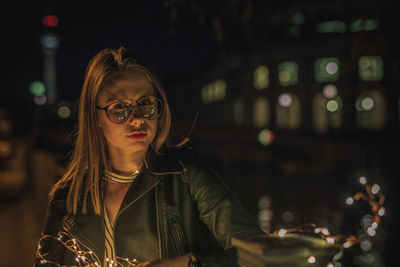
{"x":50,"y":21}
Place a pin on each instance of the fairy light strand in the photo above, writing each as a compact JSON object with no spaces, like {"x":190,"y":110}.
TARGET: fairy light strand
{"x":373,"y":196}
{"x":83,"y":257}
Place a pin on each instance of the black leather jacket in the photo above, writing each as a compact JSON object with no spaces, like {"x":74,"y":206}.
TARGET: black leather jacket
{"x":176,"y":206}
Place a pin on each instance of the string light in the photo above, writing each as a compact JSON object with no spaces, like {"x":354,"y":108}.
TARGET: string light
{"x":373,"y":196}
{"x":311,"y":259}
{"x":83,"y":257}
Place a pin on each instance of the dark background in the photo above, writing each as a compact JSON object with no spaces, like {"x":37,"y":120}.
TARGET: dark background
{"x":189,"y":44}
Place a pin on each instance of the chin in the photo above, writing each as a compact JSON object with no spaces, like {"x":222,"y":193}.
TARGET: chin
{"x":137,"y":146}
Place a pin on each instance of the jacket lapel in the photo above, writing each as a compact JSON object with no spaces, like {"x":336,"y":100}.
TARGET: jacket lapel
{"x":138,"y":188}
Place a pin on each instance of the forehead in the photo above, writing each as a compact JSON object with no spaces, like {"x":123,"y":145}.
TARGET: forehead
{"x":128,"y":87}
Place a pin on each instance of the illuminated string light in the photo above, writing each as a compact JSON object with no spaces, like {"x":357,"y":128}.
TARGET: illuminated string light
{"x":282,"y":232}
{"x":311,"y":259}
{"x":375,"y":199}
{"x":83,"y":257}
{"x":375,"y":189}
{"x":362,"y":180}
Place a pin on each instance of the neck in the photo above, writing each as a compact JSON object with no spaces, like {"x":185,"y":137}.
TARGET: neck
{"x":126,"y":163}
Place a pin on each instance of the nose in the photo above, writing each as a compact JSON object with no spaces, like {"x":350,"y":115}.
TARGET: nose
{"x":135,"y":118}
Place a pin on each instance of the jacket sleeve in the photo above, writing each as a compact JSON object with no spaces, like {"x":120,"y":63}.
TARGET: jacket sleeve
{"x":220,"y":209}
{"x":49,"y":248}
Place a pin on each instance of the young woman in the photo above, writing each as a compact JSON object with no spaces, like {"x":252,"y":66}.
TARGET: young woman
{"x":127,"y":198}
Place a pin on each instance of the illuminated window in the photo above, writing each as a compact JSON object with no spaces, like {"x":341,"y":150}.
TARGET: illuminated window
{"x":370,"y":68}
{"x":331,"y":26}
{"x":288,"y":111}
{"x":364,"y":25}
{"x":371,"y":110}
{"x":288,"y":73}
{"x":261,"y":77}
{"x":213,"y":91}
{"x":327,"y":110}
{"x":327,"y":69}
{"x":238,"y":112}
{"x":261,"y":113}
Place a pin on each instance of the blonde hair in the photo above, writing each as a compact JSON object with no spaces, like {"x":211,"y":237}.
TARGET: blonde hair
{"x":89,"y":155}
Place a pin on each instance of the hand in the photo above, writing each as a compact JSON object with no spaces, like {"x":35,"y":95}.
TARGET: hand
{"x":180,"y":261}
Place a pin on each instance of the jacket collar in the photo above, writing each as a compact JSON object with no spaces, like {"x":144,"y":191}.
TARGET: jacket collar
{"x":163,"y":163}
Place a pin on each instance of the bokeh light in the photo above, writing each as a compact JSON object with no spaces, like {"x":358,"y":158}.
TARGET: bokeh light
{"x":285,"y":100}
{"x":266,"y":137}
{"x":329,"y":91}
{"x":40,"y":100}
{"x":37,"y":88}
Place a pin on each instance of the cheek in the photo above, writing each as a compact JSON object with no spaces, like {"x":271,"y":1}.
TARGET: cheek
{"x":154,"y":129}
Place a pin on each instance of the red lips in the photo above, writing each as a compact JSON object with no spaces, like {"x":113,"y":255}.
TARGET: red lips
{"x":138,"y":135}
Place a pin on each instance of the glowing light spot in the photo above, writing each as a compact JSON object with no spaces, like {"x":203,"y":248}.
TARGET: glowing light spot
{"x":363,"y":180}
{"x":371,"y":232}
{"x":311,"y":259}
{"x":40,"y":100}
{"x":329,"y":91}
{"x":332,"y":105}
{"x":317,"y":230}
{"x":325,"y":231}
{"x":282,"y":232}
{"x":49,"y":40}
{"x":367,"y":103}
{"x":50,"y":21}
{"x":331,"y":68}
{"x":381,"y":211}
{"x":374,"y":225}
{"x":327,"y":69}
{"x":37,"y":88}
{"x":349,"y":201}
{"x":266,"y":137}
{"x":285,"y":100}
{"x":64,"y":112}
{"x":347,"y":244}
{"x":375,"y":189}
{"x":330,"y":264}
{"x":330,"y":240}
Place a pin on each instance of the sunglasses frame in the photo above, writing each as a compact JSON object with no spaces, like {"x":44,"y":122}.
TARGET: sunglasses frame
{"x":132,"y":106}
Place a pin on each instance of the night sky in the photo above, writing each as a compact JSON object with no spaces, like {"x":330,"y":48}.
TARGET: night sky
{"x":143,"y":28}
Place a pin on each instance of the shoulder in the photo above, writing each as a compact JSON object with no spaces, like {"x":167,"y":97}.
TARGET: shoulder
{"x":196,"y":169}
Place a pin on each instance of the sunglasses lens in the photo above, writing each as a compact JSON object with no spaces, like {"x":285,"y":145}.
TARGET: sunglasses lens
{"x":150,"y":108}
{"x":119,"y":112}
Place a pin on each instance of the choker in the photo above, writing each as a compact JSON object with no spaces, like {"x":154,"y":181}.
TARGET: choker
{"x":117,"y":178}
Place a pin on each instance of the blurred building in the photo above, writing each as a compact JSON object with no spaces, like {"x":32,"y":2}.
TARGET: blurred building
{"x":301,"y":102}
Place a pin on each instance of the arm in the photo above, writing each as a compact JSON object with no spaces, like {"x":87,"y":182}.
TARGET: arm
{"x":50,"y":249}
{"x":220,"y":210}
